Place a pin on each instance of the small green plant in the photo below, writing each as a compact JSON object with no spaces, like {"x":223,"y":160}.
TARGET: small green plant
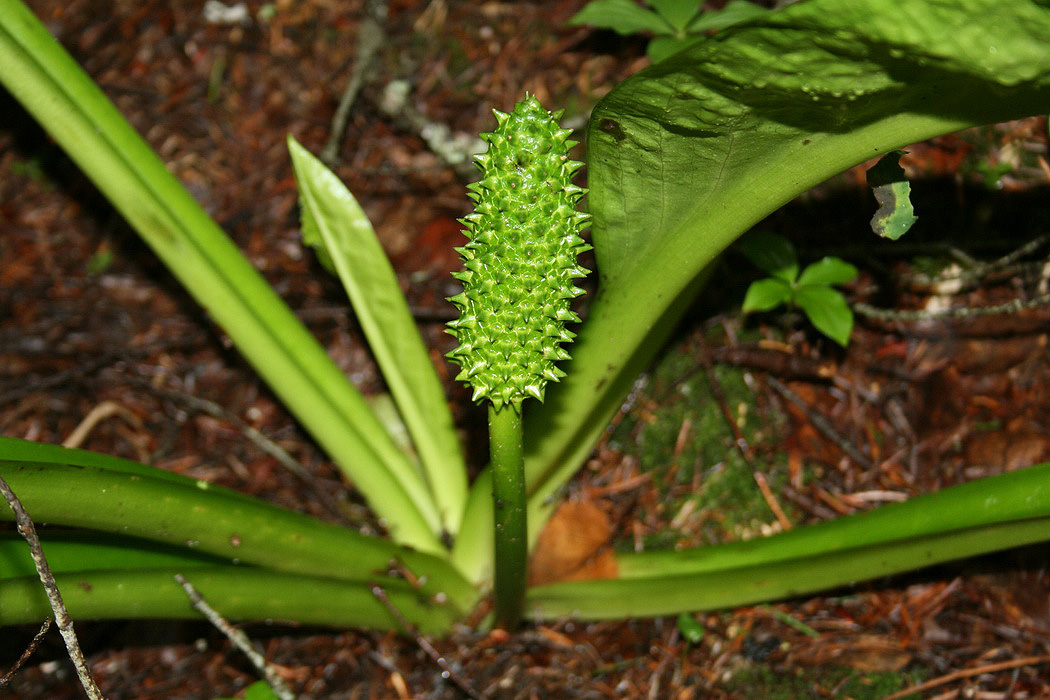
{"x":675,"y":24}
{"x":811,"y":290}
{"x":683,"y":158}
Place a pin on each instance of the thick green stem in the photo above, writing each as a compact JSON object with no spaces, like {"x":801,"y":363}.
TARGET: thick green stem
{"x":508,"y":499}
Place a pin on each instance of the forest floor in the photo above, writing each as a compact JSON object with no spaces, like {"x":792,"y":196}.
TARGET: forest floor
{"x":92,"y":325}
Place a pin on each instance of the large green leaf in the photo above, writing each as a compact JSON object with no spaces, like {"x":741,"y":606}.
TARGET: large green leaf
{"x":341,"y":230}
{"x":688,"y":154}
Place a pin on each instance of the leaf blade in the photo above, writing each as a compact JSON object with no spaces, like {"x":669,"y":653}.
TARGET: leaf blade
{"x":622,"y":16}
{"x":765,"y":295}
{"x":340,"y":227}
{"x":828,"y":270}
{"x":827,"y":310}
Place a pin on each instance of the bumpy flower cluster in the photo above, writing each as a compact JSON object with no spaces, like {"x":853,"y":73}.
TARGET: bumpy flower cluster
{"x":520,"y":262}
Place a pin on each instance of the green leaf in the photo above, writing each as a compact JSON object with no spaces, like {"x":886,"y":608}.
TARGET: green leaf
{"x":622,"y":16}
{"x":689,"y":153}
{"x":50,"y":85}
{"x":895,"y":215}
{"x":341,"y":230}
{"x":678,"y":13}
{"x":237,"y":592}
{"x":690,"y":629}
{"x":828,"y":270}
{"x":986,"y":515}
{"x":663,"y":46}
{"x":763,"y":295}
{"x":310,"y":232}
{"x":212,"y":520}
{"x":259,"y":690}
{"x":826,"y":309}
{"x":772,"y":253}
{"x":734,"y":12}
{"x":93,"y":551}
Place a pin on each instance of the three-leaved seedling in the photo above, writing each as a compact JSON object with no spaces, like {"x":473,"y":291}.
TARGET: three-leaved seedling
{"x":520,"y":264}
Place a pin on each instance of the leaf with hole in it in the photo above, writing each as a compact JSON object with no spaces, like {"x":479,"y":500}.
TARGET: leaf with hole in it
{"x":827,"y":270}
{"x":766,"y":294}
{"x":827,"y":310}
{"x":892,"y":191}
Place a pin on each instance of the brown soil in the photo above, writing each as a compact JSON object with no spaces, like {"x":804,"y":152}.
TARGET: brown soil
{"x":88,"y":316}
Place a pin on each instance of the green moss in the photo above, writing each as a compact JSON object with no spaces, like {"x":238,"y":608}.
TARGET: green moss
{"x":755,"y":681}
{"x":679,"y":400}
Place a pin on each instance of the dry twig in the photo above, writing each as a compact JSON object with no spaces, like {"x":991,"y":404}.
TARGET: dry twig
{"x":370,"y":37}
{"x":969,"y":673}
{"x":54,"y":597}
{"x":821,"y":424}
{"x":447,"y":672}
{"x":239,"y":639}
{"x":37,"y":638}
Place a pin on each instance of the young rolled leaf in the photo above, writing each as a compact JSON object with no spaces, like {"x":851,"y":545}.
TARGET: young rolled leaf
{"x":521,"y":259}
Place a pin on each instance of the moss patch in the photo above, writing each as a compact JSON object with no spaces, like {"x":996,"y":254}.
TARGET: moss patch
{"x":679,"y":432}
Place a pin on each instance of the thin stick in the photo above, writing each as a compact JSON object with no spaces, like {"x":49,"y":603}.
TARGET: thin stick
{"x":1009,"y":307}
{"x":447,"y":672}
{"x":508,"y":500}
{"x":54,"y":597}
{"x":738,"y":435}
{"x":39,"y":637}
{"x":239,"y":639}
{"x":821,"y":423}
{"x":771,"y":500}
{"x":370,"y":38}
{"x":968,"y":673}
